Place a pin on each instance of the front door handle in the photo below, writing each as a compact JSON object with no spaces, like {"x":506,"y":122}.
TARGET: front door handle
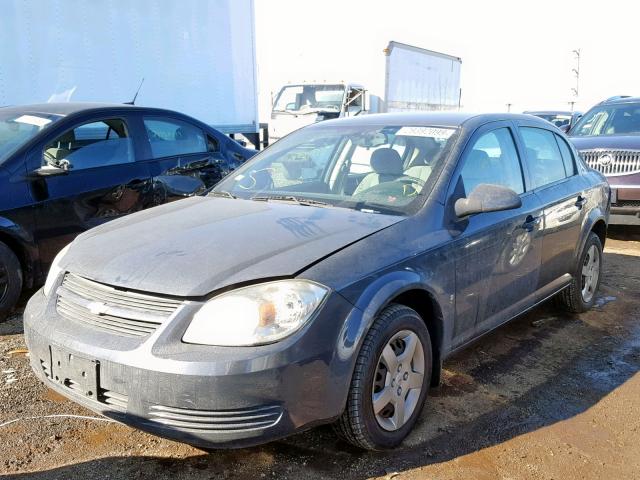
{"x":580,"y":201}
{"x":531,"y":223}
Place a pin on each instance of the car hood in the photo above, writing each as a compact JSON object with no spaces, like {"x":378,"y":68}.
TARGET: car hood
{"x":631,"y":142}
{"x":201,"y":244}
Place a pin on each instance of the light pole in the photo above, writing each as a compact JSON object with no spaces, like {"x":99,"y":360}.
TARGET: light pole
{"x":576,"y":72}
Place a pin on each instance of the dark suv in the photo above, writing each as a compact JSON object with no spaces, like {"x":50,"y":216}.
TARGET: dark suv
{"x":608,"y":138}
{"x":65,"y":168}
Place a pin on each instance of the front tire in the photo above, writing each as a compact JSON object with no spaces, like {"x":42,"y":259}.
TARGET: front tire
{"x":10,"y":280}
{"x":580,"y":295}
{"x":390,"y":381}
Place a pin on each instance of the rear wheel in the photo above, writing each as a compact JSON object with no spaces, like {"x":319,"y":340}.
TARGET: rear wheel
{"x":581,"y":293}
{"x":10,"y":280}
{"x":390,"y":382}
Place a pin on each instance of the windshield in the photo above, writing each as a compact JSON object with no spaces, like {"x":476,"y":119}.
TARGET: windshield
{"x":16,"y":129}
{"x":300,"y":98}
{"x":381,"y":169}
{"x":621,"y":119}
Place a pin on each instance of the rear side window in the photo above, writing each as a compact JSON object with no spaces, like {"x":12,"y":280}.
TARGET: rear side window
{"x":95,"y":144}
{"x":169,"y":137}
{"x":493,"y":159}
{"x":545,"y":161}
{"x":567,"y":156}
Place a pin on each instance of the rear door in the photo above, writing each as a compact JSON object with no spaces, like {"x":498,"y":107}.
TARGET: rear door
{"x":497,"y":253}
{"x":103,"y":182}
{"x":563,"y":195}
{"x":184,"y":158}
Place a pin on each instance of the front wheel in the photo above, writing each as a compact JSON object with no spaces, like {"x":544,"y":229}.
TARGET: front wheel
{"x":390,"y":381}
{"x":10,"y":280}
{"x":580,"y":295}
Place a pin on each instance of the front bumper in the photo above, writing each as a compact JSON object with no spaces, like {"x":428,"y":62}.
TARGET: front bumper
{"x":625,"y":205}
{"x":206,"y":396}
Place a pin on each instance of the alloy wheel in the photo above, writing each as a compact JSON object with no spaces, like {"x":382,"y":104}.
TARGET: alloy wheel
{"x":590,"y":273}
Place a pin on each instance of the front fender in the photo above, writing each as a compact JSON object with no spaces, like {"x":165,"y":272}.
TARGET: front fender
{"x":375,"y":297}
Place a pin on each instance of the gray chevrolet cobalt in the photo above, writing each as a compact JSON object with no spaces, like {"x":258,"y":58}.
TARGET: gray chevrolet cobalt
{"x":324,"y":281}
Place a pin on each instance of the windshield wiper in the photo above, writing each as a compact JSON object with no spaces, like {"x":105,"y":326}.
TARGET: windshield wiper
{"x":290,"y":199}
{"x":222,"y":193}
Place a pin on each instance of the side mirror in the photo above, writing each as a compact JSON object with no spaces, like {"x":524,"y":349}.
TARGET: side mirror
{"x":565,"y":128}
{"x":51,"y":170}
{"x":487,"y":198}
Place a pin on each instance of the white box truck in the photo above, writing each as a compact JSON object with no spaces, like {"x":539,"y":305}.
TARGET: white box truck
{"x":414,"y":79}
{"x":195,"y":57}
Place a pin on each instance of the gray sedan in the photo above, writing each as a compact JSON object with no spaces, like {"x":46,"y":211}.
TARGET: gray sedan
{"x":325,"y":280}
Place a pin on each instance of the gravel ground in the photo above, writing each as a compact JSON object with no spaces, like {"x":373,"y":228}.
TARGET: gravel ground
{"x":548,"y":396}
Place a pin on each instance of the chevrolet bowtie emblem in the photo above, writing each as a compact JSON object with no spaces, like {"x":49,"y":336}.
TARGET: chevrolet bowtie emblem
{"x":97,"y":308}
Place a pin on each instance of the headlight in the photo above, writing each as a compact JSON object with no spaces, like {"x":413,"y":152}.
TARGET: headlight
{"x":256,"y":314}
{"x":54,"y":271}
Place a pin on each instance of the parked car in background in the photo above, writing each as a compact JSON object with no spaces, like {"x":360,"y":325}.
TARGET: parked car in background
{"x":65,"y":168}
{"x":386,"y":242}
{"x":608,"y":138}
{"x":561,"y":119}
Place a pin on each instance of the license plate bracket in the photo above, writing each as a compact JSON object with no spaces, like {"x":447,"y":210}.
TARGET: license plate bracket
{"x":75,"y":372}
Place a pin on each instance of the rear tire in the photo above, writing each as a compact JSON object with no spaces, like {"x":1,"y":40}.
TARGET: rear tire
{"x":580,"y":295}
{"x":10,"y":280}
{"x":400,"y":340}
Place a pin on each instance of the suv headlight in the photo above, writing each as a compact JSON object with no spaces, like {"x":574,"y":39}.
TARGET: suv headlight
{"x":54,"y":272}
{"x":257,"y":314}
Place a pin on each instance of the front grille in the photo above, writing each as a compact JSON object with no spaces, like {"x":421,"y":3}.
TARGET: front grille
{"x":216,"y":420}
{"x":613,"y":162}
{"x":115,"y":310}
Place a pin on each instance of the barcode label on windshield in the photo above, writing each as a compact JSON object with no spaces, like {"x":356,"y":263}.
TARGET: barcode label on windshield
{"x":433,"y":132}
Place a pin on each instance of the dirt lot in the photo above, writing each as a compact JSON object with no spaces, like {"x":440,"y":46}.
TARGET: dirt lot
{"x":546,"y":397}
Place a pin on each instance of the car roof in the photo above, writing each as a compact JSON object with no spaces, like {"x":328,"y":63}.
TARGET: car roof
{"x":63,"y":108}
{"x":622,"y":99}
{"x":549,"y":112}
{"x":439,"y":119}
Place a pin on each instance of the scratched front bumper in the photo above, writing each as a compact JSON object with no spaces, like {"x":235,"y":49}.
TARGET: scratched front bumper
{"x":205,"y":396}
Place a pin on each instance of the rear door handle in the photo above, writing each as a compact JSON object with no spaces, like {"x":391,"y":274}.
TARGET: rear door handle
{"x":580,"y":201}
{"x":530,"y":223}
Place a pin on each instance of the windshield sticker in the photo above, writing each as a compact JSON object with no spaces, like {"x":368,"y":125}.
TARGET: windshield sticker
{"x":433,"y":132}
{"x":33,"y":120}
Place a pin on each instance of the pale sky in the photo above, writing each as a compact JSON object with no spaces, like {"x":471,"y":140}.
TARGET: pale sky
{"x":517,"y":52}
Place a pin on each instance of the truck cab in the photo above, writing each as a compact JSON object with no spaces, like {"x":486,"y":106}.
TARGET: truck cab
{"x":301,"y":104}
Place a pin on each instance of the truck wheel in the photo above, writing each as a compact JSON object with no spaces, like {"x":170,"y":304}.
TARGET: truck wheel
{"x":580,"y":295}
{"x":390,"y":381}
{"x":10,"y":280}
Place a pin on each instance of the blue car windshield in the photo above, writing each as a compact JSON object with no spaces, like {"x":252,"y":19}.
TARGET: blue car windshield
{"x":16,"y":129}
{"x":375,"y":168}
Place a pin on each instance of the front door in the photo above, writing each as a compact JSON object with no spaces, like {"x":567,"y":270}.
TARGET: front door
{"x":184,"y":160}
{"x":103,"y":181}
{"x":497,"y":253}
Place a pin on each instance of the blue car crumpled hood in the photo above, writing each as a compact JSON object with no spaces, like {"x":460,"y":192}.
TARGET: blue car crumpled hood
{"x":201,"y":244}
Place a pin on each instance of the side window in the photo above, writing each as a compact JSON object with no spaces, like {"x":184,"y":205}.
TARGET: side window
{"x":169,"y":137}
{"x":95,"y":144}
{"x":493,"y":159}
{"x":567,"y":156}
{"x":545,"y":161}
